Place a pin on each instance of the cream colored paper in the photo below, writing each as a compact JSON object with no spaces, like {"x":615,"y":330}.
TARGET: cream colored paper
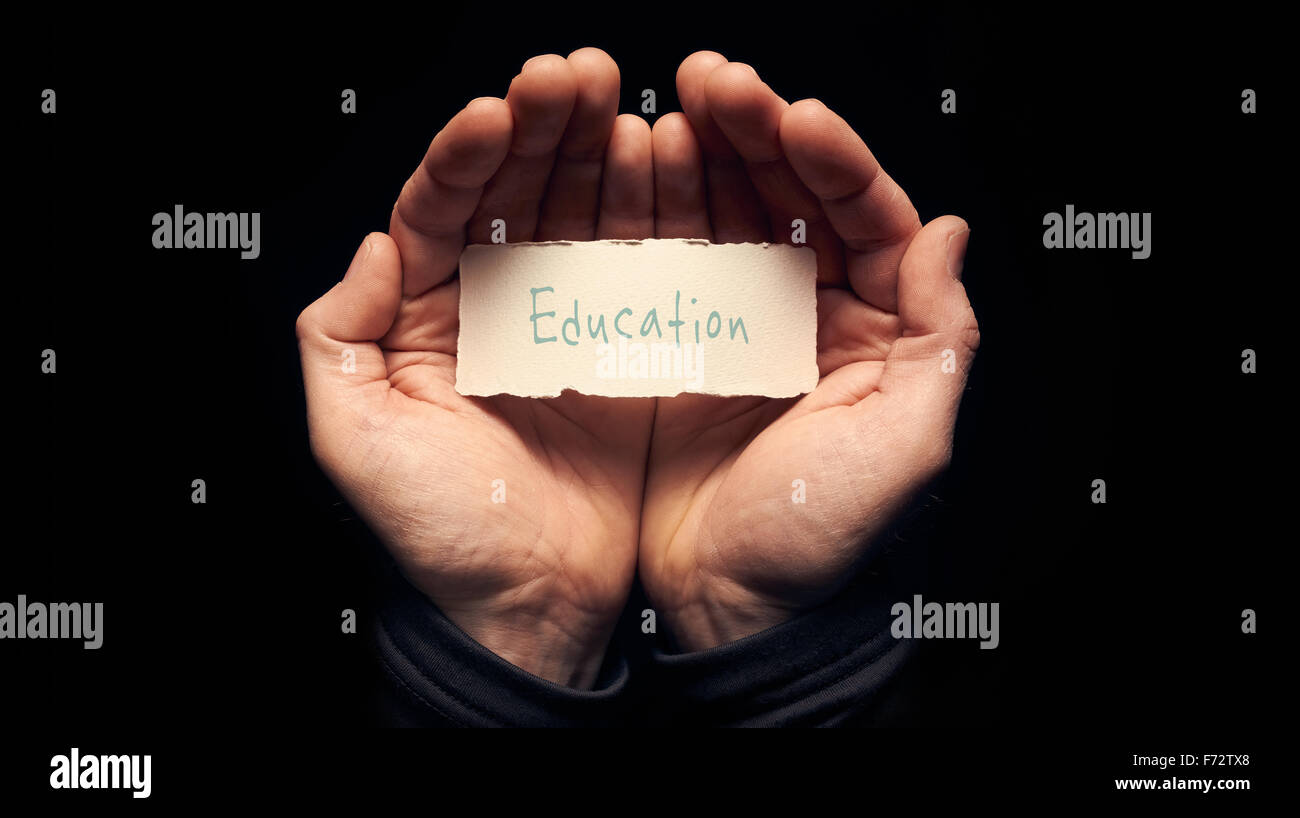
{"x":765,"y":293}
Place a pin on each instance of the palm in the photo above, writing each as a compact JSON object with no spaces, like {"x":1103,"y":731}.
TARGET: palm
{"x":546,"y":490}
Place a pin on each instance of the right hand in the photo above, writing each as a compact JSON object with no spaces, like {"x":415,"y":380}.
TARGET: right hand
{"x":541,"y":578}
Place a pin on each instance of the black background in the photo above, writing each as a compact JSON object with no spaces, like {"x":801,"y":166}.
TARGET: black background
{"x":176,"y":365}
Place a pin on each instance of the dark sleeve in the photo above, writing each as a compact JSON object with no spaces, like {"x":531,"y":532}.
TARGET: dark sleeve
{"x":834,"y":665}
{"x":433,"y":674}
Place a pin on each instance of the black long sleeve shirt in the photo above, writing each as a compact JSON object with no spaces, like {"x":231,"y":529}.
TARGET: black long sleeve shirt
{"x":830,"y":666}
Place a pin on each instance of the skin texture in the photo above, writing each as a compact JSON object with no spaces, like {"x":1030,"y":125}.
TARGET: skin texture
{"x":693,"y":492}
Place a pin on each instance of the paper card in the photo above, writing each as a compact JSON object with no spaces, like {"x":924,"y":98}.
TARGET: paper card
{"x":637,"y":318}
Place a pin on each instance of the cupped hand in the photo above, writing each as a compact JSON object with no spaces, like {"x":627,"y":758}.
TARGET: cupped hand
{"x":726,"y":547}
{"x":518,"y":517}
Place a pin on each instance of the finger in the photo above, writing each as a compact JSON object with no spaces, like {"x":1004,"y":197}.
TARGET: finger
{"x":627,"y":193}
{"x":348,"y":319}
{"x":748,"y":112}
{"x":428,"y":222}
{"x":868,"y":209}
{"x":925,"y":371}
{"x":735,"y":212}
{"x":541,"y":99}
{"x":931,"y":298}
{"x":572,"y":199}
{"x":681,"y":203}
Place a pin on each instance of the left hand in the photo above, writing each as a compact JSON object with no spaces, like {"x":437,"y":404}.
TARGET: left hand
{"x":725,"y":551}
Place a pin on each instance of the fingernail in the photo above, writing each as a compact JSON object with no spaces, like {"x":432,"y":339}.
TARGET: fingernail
{"x":957,"y":252}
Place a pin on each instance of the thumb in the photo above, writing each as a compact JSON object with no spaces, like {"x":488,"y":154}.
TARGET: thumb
{"x":364,"y":304}
{"x":337,"y":333}
{"x":931,"y":298}
{"x":925,"y":373}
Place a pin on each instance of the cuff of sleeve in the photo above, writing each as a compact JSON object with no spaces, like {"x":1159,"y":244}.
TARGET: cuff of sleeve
{"x":819,"y":669}
{"x":438,"y":675}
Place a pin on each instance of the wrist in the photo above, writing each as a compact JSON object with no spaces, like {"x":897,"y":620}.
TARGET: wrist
{"x":568,"y":654}
{"x":721,"y":617}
